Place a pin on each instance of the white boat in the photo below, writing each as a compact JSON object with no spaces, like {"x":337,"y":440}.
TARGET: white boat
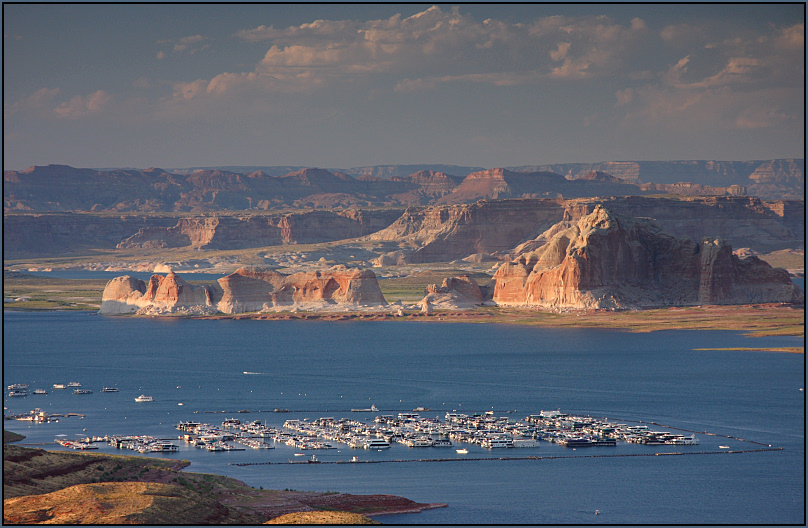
{"x":109,"y":389}
{"x":144,"y":398}
{"x":40,"y":391}
{"x":683,"y":440}
{"x":377,"y":443}
{"x":82,"y":391}
{"x":17,"y":393}
{"x":74,"y":384}
{"x":18,"y":386}
{"x":495,"y":443}
{"x":463,"y":451}
{"x":164,"y":447}
{"x":59,"y":386}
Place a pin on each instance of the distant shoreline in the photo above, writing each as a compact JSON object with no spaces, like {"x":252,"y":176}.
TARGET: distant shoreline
{"x":757,"y":320}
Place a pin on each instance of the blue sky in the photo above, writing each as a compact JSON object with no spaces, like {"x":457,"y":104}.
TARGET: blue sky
{"x":344,"y":85}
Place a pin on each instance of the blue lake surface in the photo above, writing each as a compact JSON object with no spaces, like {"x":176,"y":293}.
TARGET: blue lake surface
{"x":317,"y":369}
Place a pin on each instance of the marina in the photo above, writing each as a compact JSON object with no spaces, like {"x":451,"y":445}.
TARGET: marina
{"x":485,"y":430}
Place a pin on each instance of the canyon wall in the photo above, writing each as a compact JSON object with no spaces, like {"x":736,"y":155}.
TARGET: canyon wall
{"x":443,"y":233}
{"x":246,"y":231}
{"x":426,"y":234}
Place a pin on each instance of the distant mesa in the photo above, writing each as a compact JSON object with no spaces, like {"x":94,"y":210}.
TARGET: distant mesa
{"x":55,"y":188}
{"x":606,"y":261}
{"x":245,"y":290}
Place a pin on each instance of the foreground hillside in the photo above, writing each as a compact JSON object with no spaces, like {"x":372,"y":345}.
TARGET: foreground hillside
{"x":77,"y":488}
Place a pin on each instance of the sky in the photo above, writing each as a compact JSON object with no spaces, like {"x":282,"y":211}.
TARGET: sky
{"x":349,"y":85}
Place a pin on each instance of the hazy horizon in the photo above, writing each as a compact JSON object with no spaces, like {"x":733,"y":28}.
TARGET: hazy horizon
{"x":347,"y":85}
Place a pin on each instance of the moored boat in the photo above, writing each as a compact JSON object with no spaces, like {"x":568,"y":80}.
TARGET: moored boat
{"x":377,"y":443}
{"x":144,"y":398}
{"x":109,"y":389}
{"x":82,"y":391}
{"x":59,"y":386}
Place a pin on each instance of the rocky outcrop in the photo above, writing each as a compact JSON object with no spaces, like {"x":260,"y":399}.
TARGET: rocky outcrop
{"x":461,"y":292}
{"x":606,"y":261}
{"x":245,"y":290}
{"x":256,"y":289}
{"x":169,"y":294}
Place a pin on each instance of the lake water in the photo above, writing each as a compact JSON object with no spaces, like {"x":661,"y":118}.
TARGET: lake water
{"x":317,"y":369}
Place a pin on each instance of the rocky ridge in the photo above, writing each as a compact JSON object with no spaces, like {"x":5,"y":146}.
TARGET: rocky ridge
{"x":603,"y":260}
{"x":60,"y":188}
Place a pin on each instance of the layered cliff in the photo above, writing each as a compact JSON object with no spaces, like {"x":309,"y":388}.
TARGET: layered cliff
{"x":780,"y":179}
{"x":245,"y":290}
{"x":606,"y":261}
{"x":245,"y":231}
{"x":444,"y":233}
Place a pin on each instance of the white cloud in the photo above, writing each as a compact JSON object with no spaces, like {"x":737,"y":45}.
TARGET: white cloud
{"x":38,"y":103}
{"x":439,"y":46}
{"x":83,"y":106}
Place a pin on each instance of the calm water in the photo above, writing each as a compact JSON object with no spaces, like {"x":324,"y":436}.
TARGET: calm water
{"x":319,"y":369}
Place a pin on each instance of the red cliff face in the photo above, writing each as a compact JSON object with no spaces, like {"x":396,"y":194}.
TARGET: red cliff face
{"x":602,"y":261}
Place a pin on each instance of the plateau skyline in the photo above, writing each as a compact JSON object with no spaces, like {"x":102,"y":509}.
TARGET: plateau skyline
{"x":345,"y":85}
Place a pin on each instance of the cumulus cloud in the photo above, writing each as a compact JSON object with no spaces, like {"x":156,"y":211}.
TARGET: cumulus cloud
{"x":436,"y":46}
{"x":83,"y":106}
{"x":38,"y":102}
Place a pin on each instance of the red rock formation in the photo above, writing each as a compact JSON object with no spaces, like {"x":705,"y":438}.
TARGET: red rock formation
{"x":245,"y":290}
{"x":603,"y":261}
{"x":169,"y":294}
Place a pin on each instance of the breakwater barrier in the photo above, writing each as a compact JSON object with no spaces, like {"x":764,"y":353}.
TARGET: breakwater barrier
{"x":509,"y":458}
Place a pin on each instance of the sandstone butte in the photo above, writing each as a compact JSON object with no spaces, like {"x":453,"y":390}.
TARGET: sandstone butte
{"x":602,"y":261}
{"x":245,"y":290}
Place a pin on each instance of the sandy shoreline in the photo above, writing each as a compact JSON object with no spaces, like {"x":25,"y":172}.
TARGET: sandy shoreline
{"x":755,"y":320}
